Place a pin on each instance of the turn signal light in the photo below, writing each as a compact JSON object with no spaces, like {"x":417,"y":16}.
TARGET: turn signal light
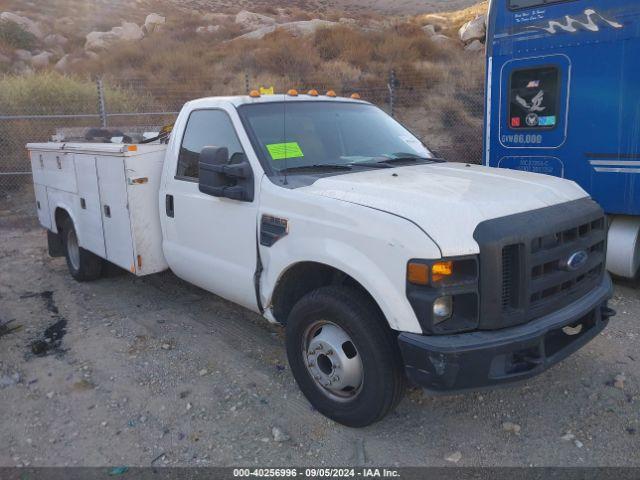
{"x":418,"y":273}
{"x":423,"y":274}
{"x":331,"y":93}
{"x":132,"y":148}
{"x":439,"y":270}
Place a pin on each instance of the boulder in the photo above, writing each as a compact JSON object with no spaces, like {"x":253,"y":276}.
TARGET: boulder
{"x":41,"y":60}
{"x":102,"y":40}
{"x":430,"y":30}
{"x":441,"y":39}
{"x":128,"y":31}
{"x":21,"y":68}
{"x":26,"y":24}
{"x":23,"y":55}
{"x":55,"y":40}
{"x":306,"y":27}
{"x":475,"y":46}
{"x":63,"y":64}
{"x":208,"y":29}
{"x":217,"y":17}
{"x":253,"y":21}
{"x":259,"y":33}
{"x":475,"y":29}
{"x":297,"y":29}
{"x":153,"y":22}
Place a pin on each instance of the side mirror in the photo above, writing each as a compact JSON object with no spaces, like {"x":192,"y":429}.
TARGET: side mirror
{"x":218,"y":178}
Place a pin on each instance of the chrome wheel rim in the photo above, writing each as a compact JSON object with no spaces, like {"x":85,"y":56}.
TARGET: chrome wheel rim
{"x":73,"y":249}
{"x":332,"y":360}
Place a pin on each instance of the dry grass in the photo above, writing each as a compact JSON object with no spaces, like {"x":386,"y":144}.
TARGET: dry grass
{"x":439,"y":90}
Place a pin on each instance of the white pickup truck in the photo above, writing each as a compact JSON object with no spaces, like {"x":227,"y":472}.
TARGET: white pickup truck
{"x":325,"y":215}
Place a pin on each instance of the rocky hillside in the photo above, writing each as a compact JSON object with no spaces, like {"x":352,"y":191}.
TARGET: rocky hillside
{"x":73,"y":35}
{"x":156,"y":54}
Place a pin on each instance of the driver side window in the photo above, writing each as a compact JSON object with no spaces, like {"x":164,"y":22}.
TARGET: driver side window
{"x":206,"y":128}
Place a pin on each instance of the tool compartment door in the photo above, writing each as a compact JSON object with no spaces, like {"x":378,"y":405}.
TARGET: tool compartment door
{"x":42,"y":205}
{"x":89,"y":209}
{"x":58,"y":170}
{"x":115,"y":211}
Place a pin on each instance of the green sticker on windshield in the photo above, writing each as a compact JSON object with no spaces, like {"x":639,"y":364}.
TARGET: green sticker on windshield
{"x":282,"y":151}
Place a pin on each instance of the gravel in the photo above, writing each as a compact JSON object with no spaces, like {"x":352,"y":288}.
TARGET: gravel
{"x":111,"y":368}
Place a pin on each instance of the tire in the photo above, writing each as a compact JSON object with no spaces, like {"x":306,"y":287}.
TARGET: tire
{"x":336,"y":312}
{"x":83,"y":265}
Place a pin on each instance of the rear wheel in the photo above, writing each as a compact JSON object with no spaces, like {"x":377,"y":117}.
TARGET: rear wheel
{"x":344,"y":357}
{"x":83,"y":265}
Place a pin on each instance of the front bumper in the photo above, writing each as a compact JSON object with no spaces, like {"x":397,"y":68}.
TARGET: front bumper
{"x":468,"y":361}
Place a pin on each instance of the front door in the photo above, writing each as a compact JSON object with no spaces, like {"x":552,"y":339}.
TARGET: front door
{"x":210,"y":241}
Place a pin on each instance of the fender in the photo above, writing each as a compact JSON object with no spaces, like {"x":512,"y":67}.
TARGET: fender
{"x":371,"y":246}
{"x":64,"y":201}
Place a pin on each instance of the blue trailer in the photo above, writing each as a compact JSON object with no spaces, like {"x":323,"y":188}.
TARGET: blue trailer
{"x":563,"y":98}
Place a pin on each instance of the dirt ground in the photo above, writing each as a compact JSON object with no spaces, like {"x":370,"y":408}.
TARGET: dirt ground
{"x":154,"y":371}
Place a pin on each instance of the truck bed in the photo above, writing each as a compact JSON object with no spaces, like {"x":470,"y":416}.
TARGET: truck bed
{"x":111,"y":193}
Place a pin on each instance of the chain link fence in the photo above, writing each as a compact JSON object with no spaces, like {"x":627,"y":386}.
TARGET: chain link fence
{"x":449,"y":122}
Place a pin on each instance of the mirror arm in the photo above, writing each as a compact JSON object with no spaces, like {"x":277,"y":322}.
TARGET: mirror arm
{"x":234,"y":193}
{"x":240,"y":170}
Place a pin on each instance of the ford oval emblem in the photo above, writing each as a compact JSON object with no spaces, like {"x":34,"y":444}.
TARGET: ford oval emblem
{"x":576,"y":260}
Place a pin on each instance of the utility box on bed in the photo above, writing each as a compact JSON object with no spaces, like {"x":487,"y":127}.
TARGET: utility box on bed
{"x":111,"y":193}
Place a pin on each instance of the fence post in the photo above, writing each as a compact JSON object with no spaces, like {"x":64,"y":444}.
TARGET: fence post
{"x":101,"y":104}
{"x":392,"y":91}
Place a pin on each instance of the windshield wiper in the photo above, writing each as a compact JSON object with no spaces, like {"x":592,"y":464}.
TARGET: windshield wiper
{"x":318,"y":166}
{"x":389,"y":161}
{"x":384,"y":162}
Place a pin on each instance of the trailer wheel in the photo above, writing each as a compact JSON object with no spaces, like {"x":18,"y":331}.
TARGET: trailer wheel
{"x":83,"y":265}
{"x":344,"y":357}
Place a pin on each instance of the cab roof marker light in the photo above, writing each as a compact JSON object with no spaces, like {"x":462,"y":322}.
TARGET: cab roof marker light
{"x":331,"y":94}
{"x":355,"y":96}
{"x":254,"y":94}
{"x":292,"y":93}
{"x":312,"y":93}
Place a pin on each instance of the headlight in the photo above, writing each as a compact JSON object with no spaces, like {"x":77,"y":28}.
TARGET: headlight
{"x":442,"y":309}
{"x":444,"y":294}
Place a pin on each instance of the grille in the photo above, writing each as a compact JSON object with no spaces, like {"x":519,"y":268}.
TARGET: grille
{"x":550,"y":278}
{"x":524,"y":271}
{"x":510,"y":264}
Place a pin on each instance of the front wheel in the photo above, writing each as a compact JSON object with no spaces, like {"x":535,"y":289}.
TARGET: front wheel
{"x":83,"y":265}
{"x":344,"y":357}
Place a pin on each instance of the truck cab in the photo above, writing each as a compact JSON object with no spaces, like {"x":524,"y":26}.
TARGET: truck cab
{"x":382,"y":262}
{"x":562,"y":99}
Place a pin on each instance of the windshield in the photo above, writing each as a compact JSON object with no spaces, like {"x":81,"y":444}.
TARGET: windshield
{"x":290,"y":135}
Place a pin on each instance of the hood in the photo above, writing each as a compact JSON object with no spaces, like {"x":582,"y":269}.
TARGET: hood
{"x":448,"y":200}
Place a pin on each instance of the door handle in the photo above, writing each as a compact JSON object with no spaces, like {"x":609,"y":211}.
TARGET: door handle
{"x":168,"y":203}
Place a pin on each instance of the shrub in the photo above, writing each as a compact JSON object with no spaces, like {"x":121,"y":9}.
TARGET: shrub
{"x":15,"y":36}
{"x":287,"y":56}
{"x":52,"y":93}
